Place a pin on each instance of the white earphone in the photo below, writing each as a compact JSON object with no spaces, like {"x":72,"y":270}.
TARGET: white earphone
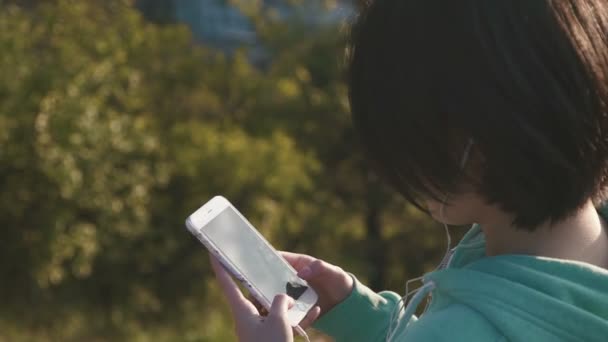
{"x":403,"y":304}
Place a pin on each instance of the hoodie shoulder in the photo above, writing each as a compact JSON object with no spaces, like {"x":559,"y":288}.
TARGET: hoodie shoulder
{"x":454,"y":322}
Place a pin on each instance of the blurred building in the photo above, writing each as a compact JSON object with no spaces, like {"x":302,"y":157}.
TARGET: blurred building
{"x":218,"y":23}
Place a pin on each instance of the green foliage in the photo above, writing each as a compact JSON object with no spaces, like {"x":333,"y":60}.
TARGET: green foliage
{"x":114,"y":129}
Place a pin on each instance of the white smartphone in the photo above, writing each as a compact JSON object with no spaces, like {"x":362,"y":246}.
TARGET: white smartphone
{"x":249,"y":257}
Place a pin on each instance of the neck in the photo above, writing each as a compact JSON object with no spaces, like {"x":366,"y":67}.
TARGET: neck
{"x":580,"y":237}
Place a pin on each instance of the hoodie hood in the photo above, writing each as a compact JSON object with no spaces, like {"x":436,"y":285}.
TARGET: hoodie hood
{"x":528,"y":298}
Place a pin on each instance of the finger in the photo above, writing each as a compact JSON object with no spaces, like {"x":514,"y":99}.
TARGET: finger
{"x":279,"y":307}
{"x":261,"y":309}
{"x":313,"y":270}
{"x":311,"y":317}
{"x":297,"y":261}
{"x":238,"y":303}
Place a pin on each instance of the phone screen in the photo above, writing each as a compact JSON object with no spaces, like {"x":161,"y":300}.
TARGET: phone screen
{"x":250,"y":254}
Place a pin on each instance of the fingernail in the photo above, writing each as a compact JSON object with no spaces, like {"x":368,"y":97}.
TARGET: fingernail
{"x":305,"y":272}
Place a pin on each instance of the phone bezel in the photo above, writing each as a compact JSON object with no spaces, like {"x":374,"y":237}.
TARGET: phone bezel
{"x":196,"y":223}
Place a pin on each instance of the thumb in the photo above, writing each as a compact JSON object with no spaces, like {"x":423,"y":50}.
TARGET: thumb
{"x":279,"y":307}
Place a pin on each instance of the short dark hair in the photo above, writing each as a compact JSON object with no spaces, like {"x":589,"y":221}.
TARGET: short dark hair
{"x":526,"y":80}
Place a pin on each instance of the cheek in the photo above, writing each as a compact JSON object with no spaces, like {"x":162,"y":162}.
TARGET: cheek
{"x":454,"y":214}
{"x":433,"y":207}
{"x":441,"y":213}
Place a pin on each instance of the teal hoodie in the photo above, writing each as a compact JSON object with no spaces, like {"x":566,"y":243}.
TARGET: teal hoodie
{"x":480,"y":298}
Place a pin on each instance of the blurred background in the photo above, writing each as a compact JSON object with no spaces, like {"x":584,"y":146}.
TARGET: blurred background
{"x":119,"y":118}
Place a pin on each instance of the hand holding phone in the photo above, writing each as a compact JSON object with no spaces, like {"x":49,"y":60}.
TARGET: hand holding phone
{"x":250,"y":326}
{"x":332,"y":283}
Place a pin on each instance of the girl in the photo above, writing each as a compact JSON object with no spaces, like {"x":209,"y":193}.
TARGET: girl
{"x":485,"y":112}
